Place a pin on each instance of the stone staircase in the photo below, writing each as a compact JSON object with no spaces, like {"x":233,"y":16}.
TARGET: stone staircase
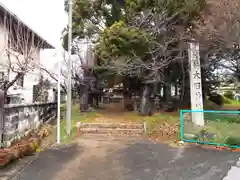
{"x":121,"y":129}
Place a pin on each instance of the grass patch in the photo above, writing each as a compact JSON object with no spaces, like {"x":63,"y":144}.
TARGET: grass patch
{"x":76,"y":116}
{"x":230,"y":101}
{"x":210,"y":105}
{"x":228,"y":104}
{"x":160,"y":125}
{"x":219,"y":128}
{"x":163,"y":125}
{"x":222,"y":118}
{"x":157,"y":120}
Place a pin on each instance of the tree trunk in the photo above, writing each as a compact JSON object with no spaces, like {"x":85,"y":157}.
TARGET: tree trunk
{"x":7,"y":84}
{"x":127,"y":96}
{"x":185,"y":99}
{"x":167,"y":86}
{"x":175,"y":89}
{"x":90,"y":99}
{"x":167,"y":92}
{"x":84,"y":101}
{"x":145,"y":106}
{"x":96,"y":98}
{"x":127,"y":101}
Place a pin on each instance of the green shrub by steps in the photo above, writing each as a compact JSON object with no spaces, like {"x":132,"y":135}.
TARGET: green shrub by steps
{"x":228,"y":94}
{"x":217,"y":99}
{"x":231,"y":101}
{"x":232,"y":141}
{"x":210,"y":105}
{"x":226,"y":100}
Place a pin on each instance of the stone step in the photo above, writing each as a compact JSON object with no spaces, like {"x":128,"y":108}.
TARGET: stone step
{"x":115,"y":131}
{"x":111,"y":125}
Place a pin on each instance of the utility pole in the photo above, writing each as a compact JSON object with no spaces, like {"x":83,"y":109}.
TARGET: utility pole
{"x":69,"y":83}
{"x":59,"y":102}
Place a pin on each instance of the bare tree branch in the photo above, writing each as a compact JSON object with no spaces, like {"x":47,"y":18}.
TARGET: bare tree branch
{"x":53,"y":77}
{"x":22,"y":47}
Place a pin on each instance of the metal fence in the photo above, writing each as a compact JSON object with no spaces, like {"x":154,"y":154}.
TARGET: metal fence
{"x":221,"y":128}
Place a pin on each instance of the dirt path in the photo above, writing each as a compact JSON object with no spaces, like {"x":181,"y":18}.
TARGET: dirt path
{"x":108,"y":158}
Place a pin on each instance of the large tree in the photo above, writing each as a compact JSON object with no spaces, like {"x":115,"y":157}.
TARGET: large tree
{"x":145,"y":41}
{"x":149,"y":42}
{"x":218,"y":32}
{"x":90,"y":18}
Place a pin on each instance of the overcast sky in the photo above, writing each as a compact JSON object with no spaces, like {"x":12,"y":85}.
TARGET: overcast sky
{"x":45,"y":17}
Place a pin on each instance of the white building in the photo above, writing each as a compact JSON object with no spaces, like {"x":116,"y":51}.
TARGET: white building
{"x":19,"y":55}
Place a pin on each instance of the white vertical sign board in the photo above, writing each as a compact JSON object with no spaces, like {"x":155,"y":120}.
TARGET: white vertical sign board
{"x":195,"y":83}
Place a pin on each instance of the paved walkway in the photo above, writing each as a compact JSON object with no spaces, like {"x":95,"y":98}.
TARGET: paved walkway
{"x":130,"y":159}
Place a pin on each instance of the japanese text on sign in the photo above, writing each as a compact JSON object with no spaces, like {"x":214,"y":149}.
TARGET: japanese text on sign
{"x":196,"y":83}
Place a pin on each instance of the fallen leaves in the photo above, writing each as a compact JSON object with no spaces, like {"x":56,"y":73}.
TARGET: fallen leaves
{"x":44,"y":131}
{"x":168,"y":130}
{"x":24,"y":147}
{"x":218,"y":148}
{"x":165,"y":131}
{"x":236,"y":150}
{"x":20,"y":149}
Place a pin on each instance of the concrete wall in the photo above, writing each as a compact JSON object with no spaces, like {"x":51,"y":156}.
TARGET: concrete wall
{"x":20,"y":119}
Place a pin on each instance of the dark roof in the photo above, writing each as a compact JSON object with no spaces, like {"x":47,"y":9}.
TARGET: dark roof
{"x":6,"y":11}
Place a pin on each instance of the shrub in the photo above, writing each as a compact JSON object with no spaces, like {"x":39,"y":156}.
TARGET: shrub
{"x":216,"y":98}
{"x":228,"y":94}
{"x":210,"y":104}
{"x":226,"y":100}
{"x":232,"y":141}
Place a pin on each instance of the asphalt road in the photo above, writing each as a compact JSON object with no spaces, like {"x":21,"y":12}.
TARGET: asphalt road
{"x":130,"y":159}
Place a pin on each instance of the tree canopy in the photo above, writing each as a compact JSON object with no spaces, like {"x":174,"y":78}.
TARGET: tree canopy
{"x":147,"y":40}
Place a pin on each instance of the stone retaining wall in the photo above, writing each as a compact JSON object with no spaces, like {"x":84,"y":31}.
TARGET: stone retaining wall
{"x":18,"y":120}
